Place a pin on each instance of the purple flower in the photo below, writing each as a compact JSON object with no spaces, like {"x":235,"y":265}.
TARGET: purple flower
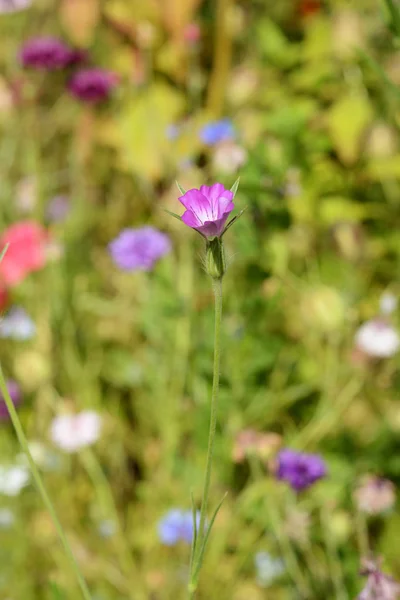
{"x":15,"y":395}
{"x":217,"y":131}
{"x":177,"y":525}
{"x":92,"y":85}
{"x":139,"y":249}
{"x":46,"y":53}
{"x":207,"y":209}
{"x":299,"y":469}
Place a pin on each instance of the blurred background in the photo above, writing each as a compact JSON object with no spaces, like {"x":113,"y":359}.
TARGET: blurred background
{"x":103,"y":105}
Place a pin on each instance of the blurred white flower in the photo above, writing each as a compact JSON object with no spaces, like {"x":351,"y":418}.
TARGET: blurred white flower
{"x":228,"y":157}
{"x":17,"y":325}
{"x":73,"y":432}
{"x":43,"y":457}
{"x":107,"y":528}
{"x":6,"y":518}
{"x":378,"y":339}
{"x":12,"y":479}
{"x":268,"y":568}
{"x":388,"y":303}
{"x":11,"y":6}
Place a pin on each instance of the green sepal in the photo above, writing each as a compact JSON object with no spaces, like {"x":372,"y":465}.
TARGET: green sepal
{"x":235,"y":186}
{"x":180,"y":188}
{"x":3,"y":252}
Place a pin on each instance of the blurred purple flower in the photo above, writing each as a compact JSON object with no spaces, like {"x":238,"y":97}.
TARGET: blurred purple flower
{"x":299,"y":469}
{"x":11,"y":6}
{"x":139,"y":249}
{"x":58,"y":208}
{"x":217,"y":131}
{"x":17,"y":325}
{"x":46,"y":53}
{"x":379,"y":586}
{"x":93,"y":85}
{"x":207,"y":209}
{"x":15,"y":395}
{"x":176,"y":526}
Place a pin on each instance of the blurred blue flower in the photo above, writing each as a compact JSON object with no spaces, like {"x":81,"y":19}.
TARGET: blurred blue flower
{"x":177,"y":525}
{"x":217,"y":131}
{"x":17,"y":325}
{"x":139,"y":249}
{"x":268,"y":568}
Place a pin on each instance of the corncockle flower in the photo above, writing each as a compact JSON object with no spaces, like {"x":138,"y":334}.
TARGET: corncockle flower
{"x":207,"y":209}
{"x":17,"y":325}
{"x":217,"y":131}
{"x":46,"y":53}
{"x":300,"y":469}
{"x":11,"y":6}
{"x":26,"y":252}
{"x":377,"y":339}
{"x":228,"y":157}
{"x":73,"y":432}
{"x":58,"y":208}
{"x":139,"y":249}
{"x":15,"y":395}
{"x":13,"y":479}
{"x":388,"y":303}
{"x":93,"y":85}
{"x":176,"y":526}
{"x":379,"y":586}
{"x":268,"y":568}
{"x":375,"y":495}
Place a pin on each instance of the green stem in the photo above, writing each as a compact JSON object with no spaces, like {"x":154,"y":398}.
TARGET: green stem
{"x":41,"y":488}
{"x":213,"y":423}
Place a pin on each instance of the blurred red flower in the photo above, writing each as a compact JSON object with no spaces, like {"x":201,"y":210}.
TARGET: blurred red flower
{"x":309,"y":7}
{"x":26,"y":251}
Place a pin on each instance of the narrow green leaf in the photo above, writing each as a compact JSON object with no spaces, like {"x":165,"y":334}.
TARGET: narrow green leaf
{"x":235,"y":187}
{"x":394,"y":11}
{"x":2,"y":253}
{"x":375,"y":66}
{"x":194,"y":539}
{"x":231,"y":222}
{"x":180,"y":188}
{"x":203,"y":548}
{"x":173,"y":214}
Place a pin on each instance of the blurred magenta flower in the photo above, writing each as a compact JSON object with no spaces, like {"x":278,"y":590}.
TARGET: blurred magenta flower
{"x":26,"y":252}
{"x":379,"y":586}
{"x":176,"y":526}
{"x":217,"y":131}
{"x":207,"y":209}
{"x":46,"y":53}
{"x":11,"y":6}
{"x":300,"y":469}
{"x":92,"y":85}
{"x":15,"y":395}
{"x":73,"y":432}
{"x":378,"y":339}
{"x":17,"y":325}
{"x":139,"y":249}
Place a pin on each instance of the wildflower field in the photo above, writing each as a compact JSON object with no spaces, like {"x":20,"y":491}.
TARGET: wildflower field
{"x":199,"y":282}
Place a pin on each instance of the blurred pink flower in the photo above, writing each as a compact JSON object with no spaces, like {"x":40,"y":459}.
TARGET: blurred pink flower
{"x":192,"y":33}
{"x":93,"y":85}
{"x":375,"y":495}
{"x":26,"y":251}
{"x":11,"y":6}
{"x":251,"y":442}
{"x":228,"y":157}
{"x":73,"y":432}
{"x":379,"y":586}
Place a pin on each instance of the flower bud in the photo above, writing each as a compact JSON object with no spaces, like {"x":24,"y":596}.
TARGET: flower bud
{"x":215,"y":258}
